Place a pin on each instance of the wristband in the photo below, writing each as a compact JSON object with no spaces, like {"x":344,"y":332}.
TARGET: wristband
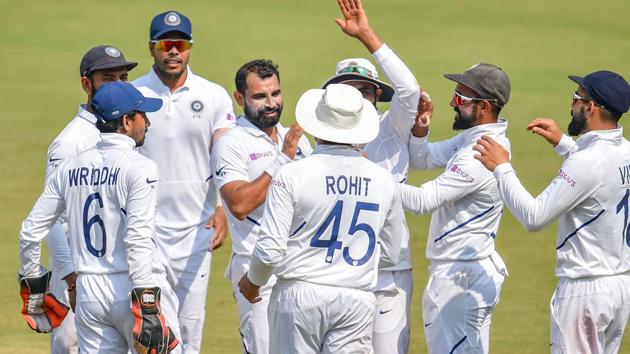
{"x":282,"y":159}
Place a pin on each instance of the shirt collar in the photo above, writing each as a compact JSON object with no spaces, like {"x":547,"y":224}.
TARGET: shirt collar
{"x":493,"y":129}
{"x":157,"y":82}
{"x":344,"y":150}
{"x":116,"y":140}
{"x":85,"y":114}
{"x":613,"y":135}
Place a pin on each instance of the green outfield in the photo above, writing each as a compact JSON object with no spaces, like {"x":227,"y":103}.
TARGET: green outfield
{"x":537,"y":42}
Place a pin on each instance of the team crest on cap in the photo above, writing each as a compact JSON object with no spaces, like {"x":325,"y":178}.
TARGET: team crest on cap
{"x":112,"y":52}
{"x":172,"y":19}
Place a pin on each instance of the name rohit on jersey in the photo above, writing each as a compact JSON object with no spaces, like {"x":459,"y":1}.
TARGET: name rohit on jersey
{"x":353,"y":185}
{"x":84,"y":176}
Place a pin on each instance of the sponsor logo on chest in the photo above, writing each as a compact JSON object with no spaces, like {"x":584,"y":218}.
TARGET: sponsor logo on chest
{"x":458,"y":171}
{"x":259,"y":155}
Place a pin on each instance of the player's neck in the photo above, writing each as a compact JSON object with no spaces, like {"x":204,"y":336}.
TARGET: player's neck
{"x":173,"y":83}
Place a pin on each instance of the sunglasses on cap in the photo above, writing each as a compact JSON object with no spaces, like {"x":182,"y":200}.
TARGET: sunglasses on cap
{"x":577,"y":97}
{"x":461,"y":100}
{"x":356,"y":69}
{"x":167,"y":44}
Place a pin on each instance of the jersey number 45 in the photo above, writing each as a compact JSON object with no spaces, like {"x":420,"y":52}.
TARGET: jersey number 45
{"x":334,"y":218}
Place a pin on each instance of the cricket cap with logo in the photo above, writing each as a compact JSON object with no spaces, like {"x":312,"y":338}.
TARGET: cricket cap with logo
{"x":489,"y":81}
{"x":115,"y":99}
{"x":607,"y":89}
{"x":104,"y":57}
{"x":360,"y":69}
{"x":337,"y":114}
{"x":170,"y":21}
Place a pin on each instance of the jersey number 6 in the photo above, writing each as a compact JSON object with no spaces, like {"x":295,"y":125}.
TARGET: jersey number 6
{"x":332,"y":244}
{"x":96,"y":219}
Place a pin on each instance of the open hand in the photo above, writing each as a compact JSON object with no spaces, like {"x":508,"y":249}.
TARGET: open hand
{"x":291,"y":139}
{"x":491,"y":153}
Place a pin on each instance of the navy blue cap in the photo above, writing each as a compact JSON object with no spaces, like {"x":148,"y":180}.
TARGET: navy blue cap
{"x":170,"y":21}
{"x":104,"y":57}
{"x":607,"y":89}
{"x":115,"y":99}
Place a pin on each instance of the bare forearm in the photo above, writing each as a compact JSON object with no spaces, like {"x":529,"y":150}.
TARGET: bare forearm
{"x":246,"y":196}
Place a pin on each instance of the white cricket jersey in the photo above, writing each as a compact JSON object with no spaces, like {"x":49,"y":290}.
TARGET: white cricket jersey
{"x":180,"y":142}
{"x":329,"y":219}
{"x":390,"y":148}
{"x":109,"y":196}
{"x":591,"y":198}
{"x":464,"y":200}
{"x":242,"y":154}
{"x":77,"y":136}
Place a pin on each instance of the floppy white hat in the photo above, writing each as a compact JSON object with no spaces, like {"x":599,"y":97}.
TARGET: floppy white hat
{"x":360,"y":69}
{"x":337,"y":114}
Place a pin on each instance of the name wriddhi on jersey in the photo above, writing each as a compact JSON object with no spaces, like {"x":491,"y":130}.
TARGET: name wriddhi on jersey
{"x":353,"y":185}
{"x":84,"y":176}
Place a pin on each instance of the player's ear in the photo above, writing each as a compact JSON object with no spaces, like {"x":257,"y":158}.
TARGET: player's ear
{"x":239,"y":98}
{"x":86,"y":85}
{"x":379,"y":92}
{"x":151,"y":46}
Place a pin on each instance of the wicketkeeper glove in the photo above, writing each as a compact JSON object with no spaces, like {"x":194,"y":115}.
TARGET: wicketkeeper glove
{"x":150,"y":331}
{"x":41,"y":309}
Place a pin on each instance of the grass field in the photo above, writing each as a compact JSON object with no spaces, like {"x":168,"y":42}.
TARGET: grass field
{"x":537,"y":42}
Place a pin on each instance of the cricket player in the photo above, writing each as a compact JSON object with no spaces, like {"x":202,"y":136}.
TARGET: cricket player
{"x":189,"y":222}
{"x":245,"y":159}
{"x":466,"y":272}
{"x":590,"y":199}
{"x":389,"y":150}
{"x":329,"y":221}
{"x":101,"y":64}
{"x":108,"y":194}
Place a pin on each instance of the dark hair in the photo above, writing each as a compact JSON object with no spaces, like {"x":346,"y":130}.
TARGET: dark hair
{"x":112,"y":126}
{"x":108,"y":126}
{"x":495,"y":109}
{"x":264,"y":68}
{"x":606,"y":114}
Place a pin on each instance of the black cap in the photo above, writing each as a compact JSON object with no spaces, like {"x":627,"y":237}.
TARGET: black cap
{"x":607,"y":89}
{"x":489,"y":81}
{"x":104,"y":57}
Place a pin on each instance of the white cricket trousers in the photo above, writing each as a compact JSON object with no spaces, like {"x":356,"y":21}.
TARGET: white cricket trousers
{"x":188,"y":272}
{"x":458,"y":302}
{"x":309,"y":318}
{"x":103,"y":313}
{"x":589,"y":315}
{"x":253,"y":321}
{"x":393,"y":305}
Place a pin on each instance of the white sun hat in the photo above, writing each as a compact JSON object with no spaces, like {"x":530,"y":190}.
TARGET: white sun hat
{"x":360,"y":69}
{"x":337,"y":114}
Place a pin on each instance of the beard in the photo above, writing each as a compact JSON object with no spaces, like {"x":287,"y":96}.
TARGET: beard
{"x":262,"y":118}
{"x":171,"y":74}
{"x":464,"y":121}
{"x":577,"y":124}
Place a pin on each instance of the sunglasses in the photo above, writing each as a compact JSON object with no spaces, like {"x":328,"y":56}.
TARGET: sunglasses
{"x":577,"y":97}
{"x":167,"y":44}
{"x":356,"y":69}
{"x":461,"y":100}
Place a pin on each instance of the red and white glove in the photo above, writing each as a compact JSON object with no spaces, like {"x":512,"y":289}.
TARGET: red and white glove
{"x":41,"y":309}
{"x":150,"y":331}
